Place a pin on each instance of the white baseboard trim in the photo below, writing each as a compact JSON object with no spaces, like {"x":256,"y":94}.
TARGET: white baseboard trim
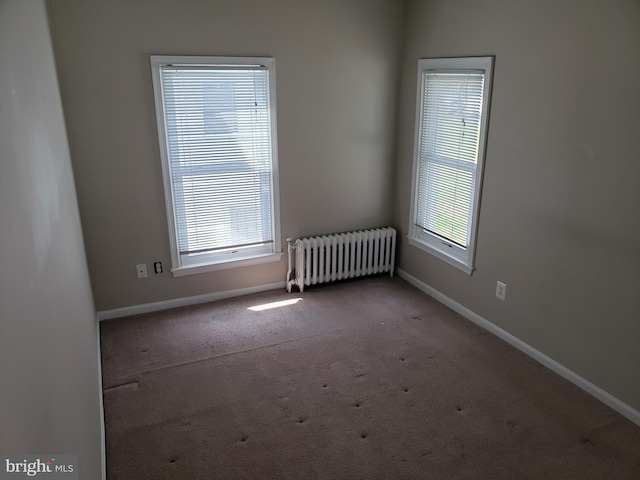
{"x":597,"y":392}
{"x":184,"y":301}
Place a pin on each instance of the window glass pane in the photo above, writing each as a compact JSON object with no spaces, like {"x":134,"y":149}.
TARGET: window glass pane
{"x":218,"y":133}
{"x":445,"y":204}
{"x":450,"y":130}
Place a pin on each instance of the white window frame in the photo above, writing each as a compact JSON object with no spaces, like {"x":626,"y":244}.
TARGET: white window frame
{"x":455,"y":255}
{"x":234,"y":257}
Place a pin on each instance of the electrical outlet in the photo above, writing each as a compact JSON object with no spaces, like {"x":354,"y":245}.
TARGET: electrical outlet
{"x":501,"y":290}
{"x":142,"y":270}
{"x":157,"y":267}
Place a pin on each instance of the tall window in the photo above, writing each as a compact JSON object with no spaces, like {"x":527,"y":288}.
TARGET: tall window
{"x":216,"y":125}
{"x":451,"y":128}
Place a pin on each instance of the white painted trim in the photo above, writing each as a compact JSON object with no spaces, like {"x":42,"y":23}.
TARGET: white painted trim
{"x":595,"y":391}
{"x":184,"y":301}
{"x":461,"y":258}
{"x":179,"y":265}
{"x":460,"y":264}
{"x":213,"y":267}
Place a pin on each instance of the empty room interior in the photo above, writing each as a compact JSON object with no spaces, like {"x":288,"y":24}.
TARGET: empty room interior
{"x":509,"y":350}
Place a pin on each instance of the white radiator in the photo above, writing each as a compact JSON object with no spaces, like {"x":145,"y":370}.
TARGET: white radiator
{"x":341,"y":256}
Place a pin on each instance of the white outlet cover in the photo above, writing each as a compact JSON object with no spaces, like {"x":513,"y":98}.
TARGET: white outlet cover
{"x":141,"y":270}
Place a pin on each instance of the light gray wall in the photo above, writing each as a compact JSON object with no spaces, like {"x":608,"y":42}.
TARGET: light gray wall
{"x":50,"y":398}
{"x":336,"y":67}
{"x":560,"y":215}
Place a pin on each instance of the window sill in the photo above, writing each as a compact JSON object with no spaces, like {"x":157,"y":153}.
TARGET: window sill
{"x":451,"y":260}
{"x":212,"y":267}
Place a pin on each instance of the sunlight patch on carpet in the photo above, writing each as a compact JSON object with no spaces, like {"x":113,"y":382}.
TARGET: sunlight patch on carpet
{"x":269,"y":306}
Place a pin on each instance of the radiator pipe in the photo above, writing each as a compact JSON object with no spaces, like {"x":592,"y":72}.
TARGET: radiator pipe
{"x":290,"y":247}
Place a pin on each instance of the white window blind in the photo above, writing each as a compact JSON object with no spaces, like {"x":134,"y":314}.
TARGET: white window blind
{"x":451,"y":129}
{"x":218,"y":134}
{"x":452,"y":104}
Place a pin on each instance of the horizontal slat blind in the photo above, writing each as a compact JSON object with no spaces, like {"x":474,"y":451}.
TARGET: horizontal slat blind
{"x":218,"y":132}
{"x":451,"y":114}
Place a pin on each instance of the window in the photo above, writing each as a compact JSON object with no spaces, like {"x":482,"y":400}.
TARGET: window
{"x":451,"y":129}
{"x":217,"y":130}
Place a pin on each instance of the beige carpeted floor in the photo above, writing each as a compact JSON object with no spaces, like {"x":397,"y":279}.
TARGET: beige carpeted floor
{"x":369,"y":379}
